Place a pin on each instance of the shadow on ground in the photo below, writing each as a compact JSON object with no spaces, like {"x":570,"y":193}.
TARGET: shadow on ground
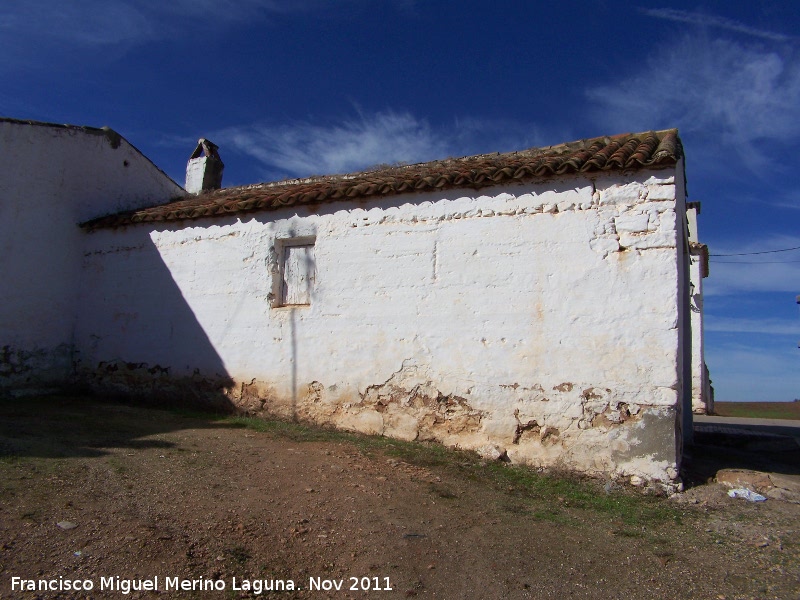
{"x":768,"y":448}
{"x":86,"y":427}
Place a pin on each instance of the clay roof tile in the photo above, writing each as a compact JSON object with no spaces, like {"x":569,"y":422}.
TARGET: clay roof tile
{"x":629,"y":151}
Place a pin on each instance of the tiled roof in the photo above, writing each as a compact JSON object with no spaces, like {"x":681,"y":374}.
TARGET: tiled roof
{"x":616,"y":153}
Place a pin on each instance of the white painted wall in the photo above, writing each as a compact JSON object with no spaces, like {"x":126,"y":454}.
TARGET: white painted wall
{"x":702,"y":402}
{"x":702,"y":395}
{"x":685,"y":346}
{"x":52,"y":178}
{"x":543,"y":320}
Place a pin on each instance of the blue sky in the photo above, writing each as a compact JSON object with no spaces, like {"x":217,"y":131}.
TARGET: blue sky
{"x":300,"y":87}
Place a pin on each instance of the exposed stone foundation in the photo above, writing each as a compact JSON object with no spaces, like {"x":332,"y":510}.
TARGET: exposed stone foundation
{"x":577,"y":427}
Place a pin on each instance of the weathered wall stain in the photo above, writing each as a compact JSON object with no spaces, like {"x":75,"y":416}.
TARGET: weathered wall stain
{"x":37,"y":368}
{"x":15,"y":361}
{"x":410,"y":406}
{"x":601,"y":409}
{"x":531,"y":425}
{"x":155,"y":383}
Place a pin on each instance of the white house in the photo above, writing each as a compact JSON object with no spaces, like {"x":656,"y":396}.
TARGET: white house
{"x":532,"y":305}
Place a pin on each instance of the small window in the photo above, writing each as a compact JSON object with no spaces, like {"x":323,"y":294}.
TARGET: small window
{"x":298,"y":271}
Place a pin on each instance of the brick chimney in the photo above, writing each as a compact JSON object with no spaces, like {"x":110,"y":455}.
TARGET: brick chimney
{"x":204,"y":169}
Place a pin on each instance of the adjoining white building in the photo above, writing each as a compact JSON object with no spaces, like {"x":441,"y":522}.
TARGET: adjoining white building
{"x":533,"y":305}
{"x":52,"y":178}
{"x":702,"y":391}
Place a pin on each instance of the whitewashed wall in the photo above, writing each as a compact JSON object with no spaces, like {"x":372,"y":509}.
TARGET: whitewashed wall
{"x":52,"y":178}
{"x":540,"y":320}
{"x":702,"y":395}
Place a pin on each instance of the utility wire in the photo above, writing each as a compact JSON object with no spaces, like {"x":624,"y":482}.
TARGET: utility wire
{"x":755,"y":262}
{"x":762,"y":252}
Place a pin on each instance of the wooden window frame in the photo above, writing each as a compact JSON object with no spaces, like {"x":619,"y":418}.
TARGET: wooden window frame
{"x":279,"y":291}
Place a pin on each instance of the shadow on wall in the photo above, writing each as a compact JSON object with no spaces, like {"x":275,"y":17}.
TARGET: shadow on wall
{"x":137,"y":336}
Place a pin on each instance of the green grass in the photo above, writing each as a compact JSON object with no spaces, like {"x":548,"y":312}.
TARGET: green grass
{"x":296,"y":432}
{"x":33,"y":516}
{"x":758,"y":410}
{"x":82,"y":427}
{"x":116,"y":465}
{"x":239,"y":554}
{"x":539,"y":491}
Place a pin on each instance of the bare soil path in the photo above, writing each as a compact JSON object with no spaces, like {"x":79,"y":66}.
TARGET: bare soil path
{"x":92,"y":490}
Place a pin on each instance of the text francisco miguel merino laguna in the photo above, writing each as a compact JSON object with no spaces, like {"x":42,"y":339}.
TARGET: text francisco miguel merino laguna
{"x":257,"y":586}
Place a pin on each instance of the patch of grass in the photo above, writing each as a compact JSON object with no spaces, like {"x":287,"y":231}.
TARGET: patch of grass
{"x":296,"y":432}
{"x":579,"y":493}
{"x":758,"y":410}
{"x":89,"y":426}
{"x":627,"y":533}
{"x":32,"y":515}
{"x":544,"y":489}
{"x":82,"y":427}
{"x":424,"y":454}
{"x":116,"y":465}
{"x":239,"y":554}
{"x":8,"y":459}
{"x":517,"y":508}
{"x":552,"y":515}
{"x":443,"y":492}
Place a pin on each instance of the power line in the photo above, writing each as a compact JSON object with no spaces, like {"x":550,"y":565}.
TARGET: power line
{"x":762,"y":252}
{"x":755,"y":262}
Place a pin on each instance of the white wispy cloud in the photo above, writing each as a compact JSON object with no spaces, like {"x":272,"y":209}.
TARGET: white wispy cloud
{"x":774,"y":245}
{"x":732,"y":278}
{"x":388,"y":137}
{"x":44,"y":31}
{"x":231,"y":10}
{"x":306,"y":148}
{"x":707,"y":20}
{"x":774,"y":195}
{"x":767,"y":325}
{"x":785,"y":199}
{"x":90,"y":23}
{"x":725,"y":96}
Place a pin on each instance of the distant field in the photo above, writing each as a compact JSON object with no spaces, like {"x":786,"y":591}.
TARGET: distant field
{"x":758,"y":410}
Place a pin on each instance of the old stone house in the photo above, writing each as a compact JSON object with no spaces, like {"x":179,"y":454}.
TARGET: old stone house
{"x":535,"y":305}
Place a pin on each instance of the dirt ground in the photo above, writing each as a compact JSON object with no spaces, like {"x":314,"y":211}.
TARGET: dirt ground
{"x":92,"y":490}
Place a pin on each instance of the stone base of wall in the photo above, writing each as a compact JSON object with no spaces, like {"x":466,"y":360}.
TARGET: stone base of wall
{"x":41,"y":370}
{"x":580,"y":428}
